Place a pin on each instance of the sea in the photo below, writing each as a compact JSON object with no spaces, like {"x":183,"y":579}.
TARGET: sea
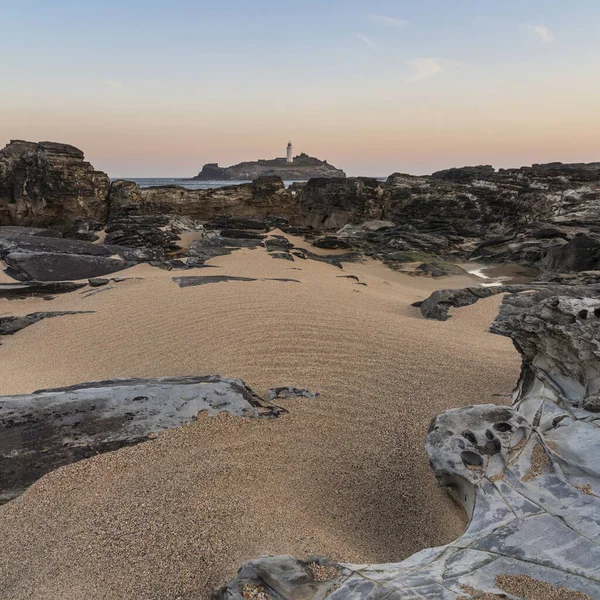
{"x":190,"y":184}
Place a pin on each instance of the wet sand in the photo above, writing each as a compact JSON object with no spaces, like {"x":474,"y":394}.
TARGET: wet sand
{"x":344,"y":475}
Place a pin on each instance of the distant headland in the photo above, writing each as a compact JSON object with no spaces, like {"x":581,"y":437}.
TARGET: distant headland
{"x":289,"y":168}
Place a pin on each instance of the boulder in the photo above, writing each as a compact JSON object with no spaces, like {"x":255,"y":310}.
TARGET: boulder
{"x":48,"y":184}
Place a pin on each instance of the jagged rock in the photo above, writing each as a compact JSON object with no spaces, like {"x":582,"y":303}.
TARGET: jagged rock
{"x":247,"y":223}
{"x":441,"y":301}
{"x":332,"y":259}
{"x":278,"y":242}
{"x":291,"y":392}
{"x":85,"y":229}
{"x":441,"y":269}
{"x":49,"y":266}
{"x":360,"y":231}
{"x":147,"y":225}
{"x":282,"y":255}
{"x":333,"y":203}
{"x":213,"y":244}
{"x":465,"y":174}
{"x":527,"y":476}
{"x":58,"y":259}
{"x":582,"y":253}
{"x":50,"y":428}
{"x":28,"y":288}
{"x":10,"y":325}
{"x":241,"y":234}
{"x":9,"y":231}
{"x":263,"y":198}
{"x":331,"y":242}
{"x":48,"y":184}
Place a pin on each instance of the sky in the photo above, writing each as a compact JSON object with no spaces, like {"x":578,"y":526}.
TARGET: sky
{"x":151,"y":88}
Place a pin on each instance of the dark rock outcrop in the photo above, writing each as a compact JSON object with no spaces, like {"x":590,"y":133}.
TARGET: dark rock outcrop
{"x":58,"y":259}
{"x":581,"y":253}
{"x":50,"y":428}
{"x":333,"y":203}
{"x":24,"y":289}
{"x":440,"y":302}
{"x":10,"y":325}
{"x":194,"y":280}
{"x":266,"y":197}
{"x":48,"y":184}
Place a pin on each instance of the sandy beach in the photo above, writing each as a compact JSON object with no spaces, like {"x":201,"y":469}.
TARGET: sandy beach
{"x":345,"y":475}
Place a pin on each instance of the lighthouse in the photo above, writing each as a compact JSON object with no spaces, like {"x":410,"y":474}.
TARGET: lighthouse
{"x":289,"y":157}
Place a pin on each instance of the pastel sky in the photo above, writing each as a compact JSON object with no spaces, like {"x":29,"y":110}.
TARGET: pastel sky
{"x":152,"y":88}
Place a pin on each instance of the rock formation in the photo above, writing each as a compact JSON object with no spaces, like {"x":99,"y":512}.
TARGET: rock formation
{"x":48,"y":184}
{"x":10,"y":325}
{"x":302,"y":167}
{"x":528,"y":477}
{"x":32,"y":257}
{"x":50,"y":428}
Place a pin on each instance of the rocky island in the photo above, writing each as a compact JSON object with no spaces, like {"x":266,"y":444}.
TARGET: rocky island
{"x":301,"y":167}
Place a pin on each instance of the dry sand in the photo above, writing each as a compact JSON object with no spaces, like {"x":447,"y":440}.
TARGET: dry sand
{"x":345,"y":475}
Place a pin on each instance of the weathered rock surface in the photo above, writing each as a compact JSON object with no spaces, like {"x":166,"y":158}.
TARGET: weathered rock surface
{"x":194,"y":280}
{"x":50,"y":428}
{"x":10,"y":325}
{"x":302,"y":167}
{"x":440,"y":302}
{"x":333,"y":203}
{"x":145,"y":225}
{"x":58,"y":259}
{"x":48,"y":184}
{"x":265,"y":197}
{"x":527,"y":475}
{"x":24,"y":289}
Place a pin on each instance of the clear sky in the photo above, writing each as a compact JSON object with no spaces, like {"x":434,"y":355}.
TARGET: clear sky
{"x":158,"y":88}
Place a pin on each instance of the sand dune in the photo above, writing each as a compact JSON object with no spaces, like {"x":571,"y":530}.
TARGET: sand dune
{"x":344,"y":475}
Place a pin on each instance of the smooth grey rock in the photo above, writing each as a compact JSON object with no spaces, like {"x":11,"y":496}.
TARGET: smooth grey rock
{"x":42,"y":431}
{"x":528,"y":476}
{"x":10,"y":325}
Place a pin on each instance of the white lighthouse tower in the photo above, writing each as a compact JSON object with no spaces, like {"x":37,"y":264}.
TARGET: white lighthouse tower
{"x":289,"y":157}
